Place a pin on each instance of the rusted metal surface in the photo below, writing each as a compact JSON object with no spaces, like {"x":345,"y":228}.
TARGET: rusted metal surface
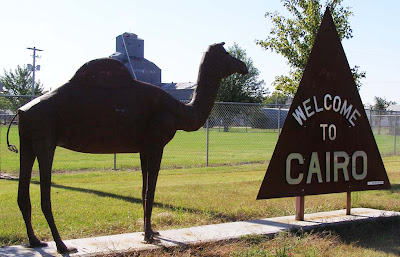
{"x":326,"y":144}
{"x":299,"y":208}
{"x":348,"y":203}
{"x":103,"y":110}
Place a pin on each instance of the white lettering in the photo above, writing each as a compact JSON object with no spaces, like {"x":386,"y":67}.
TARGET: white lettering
{"x":328,"y":166}
{"x":353,"y":117}
{"x":307,"y":108}
{"x":323,"y":126}
{"x":340,"y":165}
{"x":316,"y":105}
{"x":289,"y":179}
{"x":298,"y":115}
{"x":375,"y":183}
{"x":326,"y":105}
{"x":341,"y":162}
{"x":337,"y":102}
{"x":363,"y":155}
{"x":332,"y":132}
{"x":346,"y":111}
{"x":314,"y":168}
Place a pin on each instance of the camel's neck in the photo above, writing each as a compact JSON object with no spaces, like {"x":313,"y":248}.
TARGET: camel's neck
{"x":205,"y":94}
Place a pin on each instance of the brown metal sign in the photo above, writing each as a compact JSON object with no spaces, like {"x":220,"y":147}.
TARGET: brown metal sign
{"x":326,"y":144}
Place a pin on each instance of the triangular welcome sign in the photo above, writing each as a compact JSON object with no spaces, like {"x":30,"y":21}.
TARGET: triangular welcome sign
{"x":326,"y":144}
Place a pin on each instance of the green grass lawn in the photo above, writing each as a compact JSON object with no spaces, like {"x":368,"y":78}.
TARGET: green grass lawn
{"x":105,"y":202}
{"x":185,"y":150}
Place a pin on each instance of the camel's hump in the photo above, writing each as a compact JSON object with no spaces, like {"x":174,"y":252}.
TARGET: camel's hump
{"x":105,"y":72}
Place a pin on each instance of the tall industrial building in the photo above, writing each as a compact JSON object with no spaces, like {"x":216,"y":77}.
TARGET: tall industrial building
{"x":130,"y":51}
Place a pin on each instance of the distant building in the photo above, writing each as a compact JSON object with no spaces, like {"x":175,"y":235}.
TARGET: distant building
{"x":181,"y":91}
{"x":275,"y":118}
{"x":394,"y":107}
{"x":130,"y":51}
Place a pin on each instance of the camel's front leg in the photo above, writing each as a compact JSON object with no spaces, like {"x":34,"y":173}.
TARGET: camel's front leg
{"x":150,"y":167}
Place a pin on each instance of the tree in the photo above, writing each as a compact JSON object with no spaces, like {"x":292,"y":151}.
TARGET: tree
{"x":277,"y":98}
{"x":382,"y":103}
{"x":16,"y":83}
{"x":242,"y":88}
{"x":293,"y":37}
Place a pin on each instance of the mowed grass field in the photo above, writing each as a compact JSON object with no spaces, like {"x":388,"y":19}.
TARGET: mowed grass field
{"x":185,"y":150}
{"x":89,"y":199}
{"x":238,"y":146}
{"x":94,"y":203}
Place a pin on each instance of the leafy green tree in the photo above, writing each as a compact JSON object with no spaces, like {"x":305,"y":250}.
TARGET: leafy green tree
{"x":4,"y":103}
{"x":18,"y":82}
{"x":380,"y":103}
{"x":276,"y":98}
{"x":242,"y":88}
{"x":293,"y":37}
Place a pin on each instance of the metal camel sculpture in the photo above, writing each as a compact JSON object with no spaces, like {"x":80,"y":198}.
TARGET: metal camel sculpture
{"x":103,"y":110}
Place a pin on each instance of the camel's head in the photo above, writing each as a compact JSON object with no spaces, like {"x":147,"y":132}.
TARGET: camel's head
{"x":223,"y":62}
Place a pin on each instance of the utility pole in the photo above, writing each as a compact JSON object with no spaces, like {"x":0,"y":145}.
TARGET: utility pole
{"x":34,"y":68}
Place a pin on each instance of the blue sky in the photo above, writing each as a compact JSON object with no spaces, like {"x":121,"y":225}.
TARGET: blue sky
{"x":177,"y":32}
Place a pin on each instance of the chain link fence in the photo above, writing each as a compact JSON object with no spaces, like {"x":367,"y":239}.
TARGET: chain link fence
{"x":386,"y":128}
{"x":235,"y":133}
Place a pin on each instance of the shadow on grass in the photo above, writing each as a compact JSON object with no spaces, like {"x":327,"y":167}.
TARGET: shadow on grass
{"x":395,"y":187}
{"x":222,"y":216}
{"x":381,"y":234}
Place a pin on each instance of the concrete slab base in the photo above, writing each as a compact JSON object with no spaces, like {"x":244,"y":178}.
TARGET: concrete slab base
{"x":195,"y":235}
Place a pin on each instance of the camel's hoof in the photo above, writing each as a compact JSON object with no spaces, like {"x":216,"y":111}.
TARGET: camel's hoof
{"x":149,"y":239}
{"x":37,"y":244}
{"x":155,"y":233}
{"x":67,"y":250}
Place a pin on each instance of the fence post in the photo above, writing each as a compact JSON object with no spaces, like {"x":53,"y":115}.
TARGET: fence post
{"x":395,"y":132}
{"x":115,"y":161}
{"x":370,"y":118}
{"x":207,"y":141}
{"x":0,"y":148}
{"x":279,"y":121}
{"x":246,"y":122}
{"x":379,"y":122}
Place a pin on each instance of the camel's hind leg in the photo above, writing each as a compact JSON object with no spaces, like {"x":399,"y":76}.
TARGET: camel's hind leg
{"x":27,"y":158}
{"x":150,"y":168}
{"x":44,"y":150}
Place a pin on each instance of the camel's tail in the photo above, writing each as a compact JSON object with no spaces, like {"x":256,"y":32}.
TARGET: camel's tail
{"x":12,"y":148}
